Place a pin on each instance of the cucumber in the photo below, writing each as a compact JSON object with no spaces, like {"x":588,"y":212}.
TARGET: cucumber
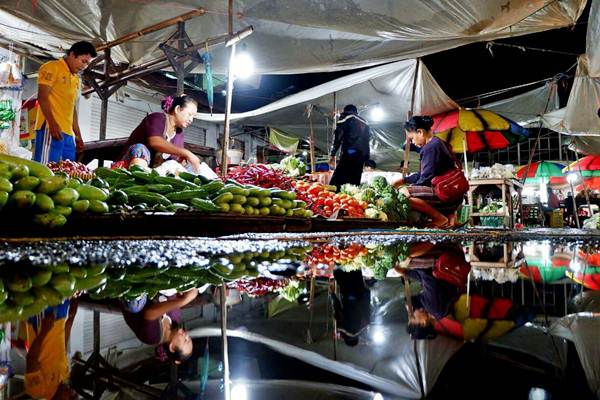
{"x":177,"y":206}
{"x":89,"y":192}
{"x":122,"y":183}
{"x":118,"y":197}
{"x":107,"y":173}
{"x":135,"y":188}
{"x":5,"y":185}
{"x":224,"y":207}
{"x":223,"y":198}
{"x":265,"y":201}
{"x":253,"y":201}
{"x":43,"y":202}
{"x":178,"y":184}
{"x":249,"y":210}
{"x":299,"y":204}
{"x":22,"y":299}
{"x":236,"y":208}
{"x":204,"y":205}
{"x":35,"y":168}
{"x":159,"y":188}
{"x":148,"y":198}
{"x":142,"y":177}
{"x":138,"y":168}
{"x":99,"y":183}
{"x":185,"y":195}
{"x":49,"y":294}
{"x":298,"y":212}
{"x":91,"y":282}
{"x":235,"y":190}
{"x":201,"y":180}
{"x":283,"y":194}
{"x":213,"y":186}
{"x":287,"y":204}
{"x":187,"y":176}
{"x":238,"y":199}
{"x":51,"y":184}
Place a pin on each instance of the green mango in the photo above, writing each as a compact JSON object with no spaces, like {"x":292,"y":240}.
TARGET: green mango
{"x":65,"y":196}
{"x":90,"y":282}
{"x":5,"y":185}
{"x":10,"y":312}
{"x":95,"y":269}
{"x":81,"y":206}
{"x":63,"y":283}
{"x":21,"y":298}
{"x":66,"y":211}
{"x":27,"y":183}
{"x":19,"y":282}
{"x":3,"y":297}
{"x":78,"y":272}
{"x":51,"y":184}
{"x":3,"y":199}
{"x":20,"y":171}
{"x":50,"y":220}
{"x":34,"y":308}
{"x":22,"y":199}
{"x":49,"y":294}
{"x":41,"y":278}
{"x":44,"y":203}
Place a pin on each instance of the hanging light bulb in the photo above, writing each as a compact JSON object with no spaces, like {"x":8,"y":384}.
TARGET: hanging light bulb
{"x":243,"y":64}
{"x":377,"y":113}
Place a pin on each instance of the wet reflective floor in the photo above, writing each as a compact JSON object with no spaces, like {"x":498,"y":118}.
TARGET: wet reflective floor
{"x":365,"y":316}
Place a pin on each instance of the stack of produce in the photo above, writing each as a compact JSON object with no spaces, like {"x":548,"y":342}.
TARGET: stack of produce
{"x":322,"y":200}
{"x":292,"y":166}
{"x":141,"y":189}
{"x":333,"y":255}
{"x":32,"y":189}
{"x":384,"y":201}
{"x":26,"y":290}
{"x":73,"y":169}
{"x":260,"y":286}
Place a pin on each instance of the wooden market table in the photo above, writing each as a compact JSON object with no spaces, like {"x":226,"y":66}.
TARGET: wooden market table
{"x":507,"y":186}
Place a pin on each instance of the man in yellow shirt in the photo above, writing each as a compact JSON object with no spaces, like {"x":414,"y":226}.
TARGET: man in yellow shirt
{"x":57,"y":129}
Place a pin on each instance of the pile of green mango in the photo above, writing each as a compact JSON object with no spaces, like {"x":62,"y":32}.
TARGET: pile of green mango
{"x":31,"y":188}
{"x":27,"y":290}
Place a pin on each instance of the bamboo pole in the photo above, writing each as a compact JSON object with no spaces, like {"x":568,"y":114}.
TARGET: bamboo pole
{"x":410,"y":114}
{"x":585,"y":191}
{"x":152,"y":28}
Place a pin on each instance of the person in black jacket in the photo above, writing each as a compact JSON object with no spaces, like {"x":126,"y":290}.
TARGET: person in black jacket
{"x":352,"y":135}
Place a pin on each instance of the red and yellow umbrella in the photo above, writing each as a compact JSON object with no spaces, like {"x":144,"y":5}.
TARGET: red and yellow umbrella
{"x":477,"y":130}
{"x":542,"y":170}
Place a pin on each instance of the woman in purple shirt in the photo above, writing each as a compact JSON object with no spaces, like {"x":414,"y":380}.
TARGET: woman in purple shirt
{"x":160,"y":136}
{"x":436,"y":159}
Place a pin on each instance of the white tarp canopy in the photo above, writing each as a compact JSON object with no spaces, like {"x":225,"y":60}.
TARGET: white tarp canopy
{"x":593,"y":39}
{"x":291,"y":36}
{"x":387,"y":86}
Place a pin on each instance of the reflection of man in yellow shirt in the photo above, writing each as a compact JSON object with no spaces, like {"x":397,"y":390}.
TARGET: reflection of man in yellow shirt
{"x":57,"y":128}
{"x":47,"y":362}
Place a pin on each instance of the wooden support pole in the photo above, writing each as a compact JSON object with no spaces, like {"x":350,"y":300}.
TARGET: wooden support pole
{"x":230,"y":77}
{"x":180,"y":66}
{"x":405,"y":169}
{"x":152,"y":28}
{"x":311,"y":144}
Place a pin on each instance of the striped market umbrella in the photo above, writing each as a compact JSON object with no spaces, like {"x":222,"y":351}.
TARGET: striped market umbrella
{"x":539,"y":271}
{"x":588,"y":279}
{"x":588,"y":165}
{"x":542,"y":171}
{"x":477,"y":130}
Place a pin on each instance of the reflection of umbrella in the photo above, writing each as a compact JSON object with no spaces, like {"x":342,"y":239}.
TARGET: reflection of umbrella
{"x":586,"y":278}
{"x":541,"y":170}
{"x":542,"y":271}
{"x":588,"y":165}
{"x":477,"y":129}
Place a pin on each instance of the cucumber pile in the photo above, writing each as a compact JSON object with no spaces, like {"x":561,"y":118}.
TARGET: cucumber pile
{"x":31,"y":188}
{"x":140,"y":189}
{"x":26,"y":290}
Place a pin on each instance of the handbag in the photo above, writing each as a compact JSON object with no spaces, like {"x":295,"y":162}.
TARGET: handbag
{"x":452,"y":268}
{"x":452,"y":185}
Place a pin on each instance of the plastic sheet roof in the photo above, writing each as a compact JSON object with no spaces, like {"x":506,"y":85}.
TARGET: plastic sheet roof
{"x":291,"y":36}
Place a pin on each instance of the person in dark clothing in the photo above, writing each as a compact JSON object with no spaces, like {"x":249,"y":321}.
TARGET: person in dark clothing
{"x":439,"y":292}
{"x":352,"y":311}
{"x":569,"y":209}
{"x":436,"y":159}
{"x":352,"y":135}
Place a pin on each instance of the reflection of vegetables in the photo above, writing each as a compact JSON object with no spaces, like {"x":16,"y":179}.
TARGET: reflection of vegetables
{"x":292,"y":166}
{"x":291,"y":291}
{"x":380,"y":258}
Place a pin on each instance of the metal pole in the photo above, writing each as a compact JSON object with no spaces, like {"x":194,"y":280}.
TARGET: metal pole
{"x":585,"y":189}
{"x":96,"y":320}
{"x":572,"y":192}
{"x":226,"y":382}
{"x":104,"y":97}
{"x":410,"y":114}
{"x":225,"y":144}
{"x":180,"y":65}
{"x":560,"y":153}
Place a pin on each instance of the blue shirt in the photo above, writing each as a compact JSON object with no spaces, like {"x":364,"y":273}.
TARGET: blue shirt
{"x":435,"y":160}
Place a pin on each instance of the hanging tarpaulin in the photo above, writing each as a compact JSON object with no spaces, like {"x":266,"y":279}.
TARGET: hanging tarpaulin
{"x":283,"y":141}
